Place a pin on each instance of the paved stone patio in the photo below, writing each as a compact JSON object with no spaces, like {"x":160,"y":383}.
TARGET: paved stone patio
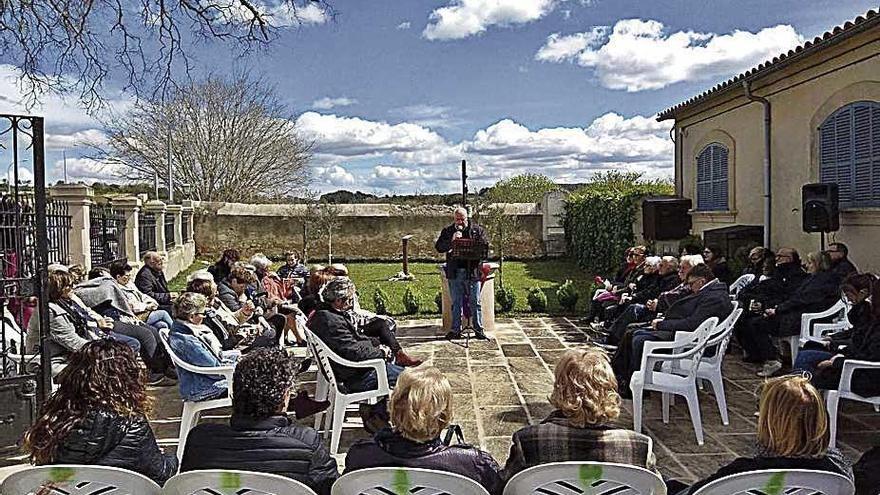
{"x":503,"y":384}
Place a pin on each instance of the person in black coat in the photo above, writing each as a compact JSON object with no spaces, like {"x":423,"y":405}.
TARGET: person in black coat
{"x":710,"y":298}
{"x":421,"y":407}
{"x":220,"y":270}
{"x":98,"y":415}
{"x":714,"y":257}
{"x":840,"y":263}
{"x":786,"y":440}
{"x":260,"y":437}
{"x":150,"y":280}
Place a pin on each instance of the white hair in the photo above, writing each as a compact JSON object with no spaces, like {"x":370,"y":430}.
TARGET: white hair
{"x":260,"y":260}
{"x":692,"y":259}
{"x":462,"y":210}
{"x":652,"y":260}
{"x":200,"y":275}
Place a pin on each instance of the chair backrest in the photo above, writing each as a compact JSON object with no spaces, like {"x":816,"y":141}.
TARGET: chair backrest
{"x":223,"y":482}
{"x":775,"y":481}
{"x":323,"y":355}
{"x":587,"y":478}
{"x":165,"y":336}
{"x":723,"y":339}
{"x":698,"y":345}
{"x":78,"y":480}
{"x":740,"y":283}
{"x":386,"y":480}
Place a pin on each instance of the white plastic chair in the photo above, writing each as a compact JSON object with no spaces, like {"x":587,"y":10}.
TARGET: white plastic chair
{"x":587,"y":478}
{"x":810,"y":331}
{"x":192,"y":409}
{"x":709,"y":368}
{"x":775,"y":481}
{"x":385,"y":480}
{"x":671,"y":383}
{"x":329,"y":389}
{"x":740,"y":283}
{"x":226,"y":482}
{"x":73,"y":479}
{"x":844,"y":391}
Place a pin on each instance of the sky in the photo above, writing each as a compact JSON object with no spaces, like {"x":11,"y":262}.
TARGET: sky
{"x":395,"y":93}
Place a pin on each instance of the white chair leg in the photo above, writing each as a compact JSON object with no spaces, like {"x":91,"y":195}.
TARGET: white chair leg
{"x":877,"y":408}
{"x":694,"y":408}
{"x":321,"y":393}
{"x":794,"y":342}
{"x":831,"y":402}
{"x":664,"y":400}
{"x":188,"y":419}
{"x":718,"y":387}
{"x":338,"y":419}
{"x":637,"y":410}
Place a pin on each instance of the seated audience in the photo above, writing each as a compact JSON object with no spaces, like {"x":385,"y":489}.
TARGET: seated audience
{"x":143,"y":306}
{"x":293,"y":268}
{"x":98,"y":416}
{"x":817,"y":292}
{"x":259,"y":436}
{"x":582,"y":426}
{"x":234,"y":294}
{"x":279,"y":293}
{"x":194,"y":343}
{"x":220,"y":270}
{"x":756,"y":259}
{"x":840,"y":263}
{"x":150,"y":280}
{"x":311,"y":293}
{"x":227,"y":326}
{"x":792,"y":433}
{"x":709,"y":297}
{"x":714,"y":258}
{"x":633,"y":269}
{"x":421,"y":408}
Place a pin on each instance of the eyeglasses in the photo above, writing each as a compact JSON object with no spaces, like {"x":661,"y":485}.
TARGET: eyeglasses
{"x":781,"y":256}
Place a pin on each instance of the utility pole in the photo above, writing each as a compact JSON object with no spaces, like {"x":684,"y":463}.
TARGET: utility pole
{"x":170,"y":179}
{"x":464,"y":188}
{"x":64,"y":156}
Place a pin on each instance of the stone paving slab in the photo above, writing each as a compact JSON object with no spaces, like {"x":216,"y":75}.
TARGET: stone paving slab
{"x":503,"y":385}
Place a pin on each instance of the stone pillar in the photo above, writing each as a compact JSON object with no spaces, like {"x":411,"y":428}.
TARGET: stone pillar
{"x":130,"y":206}
{"x":157,"y":208}
{"x":553,"y":210}
{"x":177,"y":212}
{"x":79,"y":199}
{"x":189,"y":212}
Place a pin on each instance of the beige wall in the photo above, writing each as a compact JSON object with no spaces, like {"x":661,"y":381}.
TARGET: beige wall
{"x":802,"y":96}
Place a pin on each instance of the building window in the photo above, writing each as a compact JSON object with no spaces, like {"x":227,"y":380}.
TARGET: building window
{"x":849,"y":153}
{"x":712,"y":178}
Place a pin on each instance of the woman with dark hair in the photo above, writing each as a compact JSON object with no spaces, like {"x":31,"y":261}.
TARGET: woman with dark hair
{"x":220,"y":269}
{"x":99,"y":415}
{"x":714,"y":257}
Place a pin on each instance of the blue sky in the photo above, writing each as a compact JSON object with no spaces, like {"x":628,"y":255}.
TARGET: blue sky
{"x":395,"y":93}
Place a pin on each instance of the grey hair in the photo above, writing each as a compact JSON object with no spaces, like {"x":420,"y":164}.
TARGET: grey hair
{"x":652,"y":260}
{"x":672,"y":260}
{"x":188,"y":304}
{"x":462,"y":210}
{"x":692,"y":259}
{"x":150,"y":255}
{"x":341,"y":288}
{"x":260,"y":261}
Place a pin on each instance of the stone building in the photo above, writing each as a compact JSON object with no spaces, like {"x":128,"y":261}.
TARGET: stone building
{"x":809,"y":115}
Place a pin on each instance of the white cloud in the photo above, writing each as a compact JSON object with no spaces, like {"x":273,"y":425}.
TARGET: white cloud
{"x":639,"y":55}
{"x":334,"y":175}
{"x":463,"y":18}
{"x":326,"y":103}
{"x":75,"y":139}
{"x":88,"y":169}
{"x":404,"y":25}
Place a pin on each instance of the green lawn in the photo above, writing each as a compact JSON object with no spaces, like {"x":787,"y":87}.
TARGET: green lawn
{"x":519,"y":276}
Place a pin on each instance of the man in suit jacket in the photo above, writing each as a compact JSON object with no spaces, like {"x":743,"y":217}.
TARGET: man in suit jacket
{"x":150,"y":280}
{"x":710,"y":297}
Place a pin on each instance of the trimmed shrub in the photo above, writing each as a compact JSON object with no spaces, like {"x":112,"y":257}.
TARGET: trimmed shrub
{"x":537,"y":300}
{"x":505,"y":299}
{"x":438,"y":300}
{"x":567,"y":295}
{"x":380,"y":301}
{"x":411,"y":302}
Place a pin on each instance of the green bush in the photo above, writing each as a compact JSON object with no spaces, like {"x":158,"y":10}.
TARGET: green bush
{"x":505,"y":299}
{"x":567,"y":295}
{"x":438,"y":300}
{"x":537,"y":300}
{"x":599,"y":218}
{"x":411,"y":302}
{"x":380,"y":301}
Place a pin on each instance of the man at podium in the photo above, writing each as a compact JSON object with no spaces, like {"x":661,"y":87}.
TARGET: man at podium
{"x":465,"y":245}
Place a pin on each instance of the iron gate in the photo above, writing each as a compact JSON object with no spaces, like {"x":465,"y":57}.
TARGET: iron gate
{"x":107,"y":235}
{"x":24,"y":258}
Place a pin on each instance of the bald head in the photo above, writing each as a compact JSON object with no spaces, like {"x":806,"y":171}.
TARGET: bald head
{"x":154,"y":260}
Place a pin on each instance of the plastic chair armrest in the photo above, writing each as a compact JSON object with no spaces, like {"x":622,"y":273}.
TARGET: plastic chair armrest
{"x":849,"y":366}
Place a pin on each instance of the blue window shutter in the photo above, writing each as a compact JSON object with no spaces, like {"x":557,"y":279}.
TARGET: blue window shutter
{"x":875,"y":154}
{"x":849,"y":153}
{"x":712,"y":178}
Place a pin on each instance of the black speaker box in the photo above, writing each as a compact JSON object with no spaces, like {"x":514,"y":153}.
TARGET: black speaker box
{"x":820,"y":207}
{"x":666,"y":219}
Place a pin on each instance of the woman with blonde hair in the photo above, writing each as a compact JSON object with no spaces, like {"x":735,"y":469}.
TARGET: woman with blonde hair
{"x":582,"y":426}
{"x":792,"y":432}
{"x":420,"y":409}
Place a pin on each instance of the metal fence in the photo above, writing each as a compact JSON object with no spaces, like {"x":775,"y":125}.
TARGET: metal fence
{"x":18,"y":237}
{"x":184,"y":227}
{"x":107,"y":236}
{"x":169,"y":232}
{"x":147,"y":232}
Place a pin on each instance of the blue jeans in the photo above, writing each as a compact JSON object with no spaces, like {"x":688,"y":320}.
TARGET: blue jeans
{"x":807,"y":359}
{"x":160,"y":319}
{"x":640,"y":337}
{"x":457,"y":287}
{"x":125,"y":339}
{"x":370,"y":382}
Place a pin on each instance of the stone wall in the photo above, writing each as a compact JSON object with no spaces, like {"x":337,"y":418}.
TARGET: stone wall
{"x":365,"y":231}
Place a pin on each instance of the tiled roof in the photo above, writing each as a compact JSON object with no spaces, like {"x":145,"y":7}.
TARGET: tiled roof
{"x":861,"y":23}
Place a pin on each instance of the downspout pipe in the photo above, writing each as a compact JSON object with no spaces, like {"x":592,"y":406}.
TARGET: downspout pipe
{"x":768,"y":204}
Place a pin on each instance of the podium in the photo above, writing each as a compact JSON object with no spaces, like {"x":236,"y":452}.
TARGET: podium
{"x":487,"y":299}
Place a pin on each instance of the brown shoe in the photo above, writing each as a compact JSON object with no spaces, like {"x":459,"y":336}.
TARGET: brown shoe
{"x":303,"y":406}
{"x":404,"y":359}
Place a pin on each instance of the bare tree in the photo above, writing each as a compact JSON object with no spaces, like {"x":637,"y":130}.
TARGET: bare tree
{"x":323,"y":220}
{"x":229,"y":141}
{"x":72,"y":46}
